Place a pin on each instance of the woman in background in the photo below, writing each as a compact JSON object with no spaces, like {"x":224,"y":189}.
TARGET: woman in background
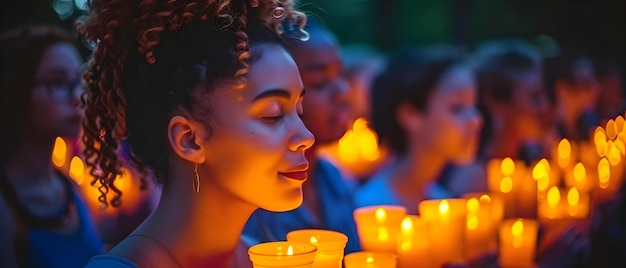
{"x":45,"y":222}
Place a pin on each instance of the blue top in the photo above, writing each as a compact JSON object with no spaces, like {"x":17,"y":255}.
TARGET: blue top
{"x":378,"y":191}
{"x":337,"y":205}
{"x":110,"y":261}
{"x":51,"y":249}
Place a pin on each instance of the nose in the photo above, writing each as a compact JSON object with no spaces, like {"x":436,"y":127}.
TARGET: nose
{"x":302,"y":139}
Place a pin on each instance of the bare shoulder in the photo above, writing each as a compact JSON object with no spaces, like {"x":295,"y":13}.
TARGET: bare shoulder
{"x":8,"y":231}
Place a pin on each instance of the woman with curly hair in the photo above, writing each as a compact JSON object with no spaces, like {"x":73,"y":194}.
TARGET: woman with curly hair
{"x":210,"y":103}
{"x":40,"y":89}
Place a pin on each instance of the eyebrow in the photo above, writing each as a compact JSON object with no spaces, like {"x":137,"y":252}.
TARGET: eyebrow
{"x":281,"y":93}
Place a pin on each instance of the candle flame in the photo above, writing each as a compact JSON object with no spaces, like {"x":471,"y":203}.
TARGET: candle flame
{"x":604,"y":173}
{"x":613,"y":154}
{"x":370,"y":259}
{"x":485,"y":198}
{"x":573,"y":197}
{"x":444,"y":207}
{"x":473,"y":205}
{"x":506,"y":184}
{"x":541,"y":169}
{"x":58,"y":152}
{"x":313,"y":239}
{"x":383,"y":234}
{"x":579,"y":172}
{"x":381,"y":215}
{"x":564,"y":151}
{"x":472,"y":222}
{"x":77,"y":170}
{"x":554,"y":196}
{"x":407,"y":225}
{"x":611,"y":129}
{"x":619,"y":123}
{"x":599,"y":139}
{"x":290,"y":251}
{"x":518,"y":228}
{"x":507,"y":166}
{"x":359,"y":142}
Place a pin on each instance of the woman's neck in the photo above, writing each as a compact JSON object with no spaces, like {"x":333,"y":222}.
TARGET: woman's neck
{"x":411,"y":175}
{"x":199,"y":230}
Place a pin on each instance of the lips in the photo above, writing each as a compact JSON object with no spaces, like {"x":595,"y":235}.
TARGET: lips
{"x":297,"y":175}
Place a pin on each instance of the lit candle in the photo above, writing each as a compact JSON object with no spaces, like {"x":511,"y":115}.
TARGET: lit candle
{"x":282,"y":254}
{"x":447,"y":221}
{"x":365,"y":259}
{"x":483,"y":217}
{"x":504,"y":177}
{"x":564,"y":153}
{"x":517,"y":242}
{"x":379,"y":226}
{"x":413,"y":245}
{"x":330,"y":245}
{"x":577,"y":204}
{"x":551,"y":209}
{"x":577,"y":177}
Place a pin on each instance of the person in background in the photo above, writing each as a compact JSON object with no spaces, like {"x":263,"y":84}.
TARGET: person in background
{"x":328,"y":198}
{"x":209,"y":101}
{"x":571,"y":80}
{"x":45,"y":222}
{"x":611,"y":101}
{"x":424,"y":110}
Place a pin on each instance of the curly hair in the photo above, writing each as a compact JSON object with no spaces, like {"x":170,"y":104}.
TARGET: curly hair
{"x":156,"y":58}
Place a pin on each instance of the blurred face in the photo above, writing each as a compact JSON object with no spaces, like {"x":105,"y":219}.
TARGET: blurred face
{"x":582,"y":92}
{"x":56,"y":94}
{"x":452,"y":122}
{"x":528,"y":112}
{"x":327,"y":107}
{"x":256,"y":150}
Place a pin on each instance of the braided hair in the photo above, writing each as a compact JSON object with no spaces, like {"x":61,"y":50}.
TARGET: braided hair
{"x":157,"y":58}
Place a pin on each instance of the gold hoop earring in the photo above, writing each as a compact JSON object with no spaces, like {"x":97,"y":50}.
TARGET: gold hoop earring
{"x":196,"y":180}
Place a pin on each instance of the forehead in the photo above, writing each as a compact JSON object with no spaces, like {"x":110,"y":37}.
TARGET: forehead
{"x":59,"y":57}
{"x":275,"y":69}
{"x":316,"y":53}
{"x":456,"y":79}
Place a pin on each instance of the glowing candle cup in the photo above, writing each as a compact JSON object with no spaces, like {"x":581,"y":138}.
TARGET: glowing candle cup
{"x":484,"y":214}
{"x":518,"y":239}
{"x":330,"y":245}
{"x":379,"y":226}
{"x":282,"y":254}
{"x":365,"y":259}
{"x":447,"y":221}
{"x":413,"y":245}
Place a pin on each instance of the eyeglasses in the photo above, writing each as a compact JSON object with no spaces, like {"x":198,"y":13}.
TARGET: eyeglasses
{"x":60,"y":90}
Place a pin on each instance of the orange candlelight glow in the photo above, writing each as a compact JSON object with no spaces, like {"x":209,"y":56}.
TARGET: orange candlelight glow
{"x":611,"y":129}
{"x":564,"y":150}
{"x":599,"y":139}
{"x":59,"y":152}
{"x":77,"y":170}
{"x":604,"y":173}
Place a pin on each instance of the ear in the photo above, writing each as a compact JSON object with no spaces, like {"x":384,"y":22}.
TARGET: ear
{"x":186,"y":139}
{"x":409,"y":118}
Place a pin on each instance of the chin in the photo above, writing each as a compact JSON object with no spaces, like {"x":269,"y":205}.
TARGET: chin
{"x":284,"y":204}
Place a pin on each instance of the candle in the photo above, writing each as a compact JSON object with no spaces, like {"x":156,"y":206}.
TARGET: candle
{"x":413,"y":245}
{"x":282,"y":254}
{"x":505,"y":177}
{"x":378,"y":227}
{"x":551,"y":209}
{"x":365,"y":259}
{"x":447,"y":221}
{"x":518,"y":239}
{"x":483,"y":216}
{"x":577,"y":204}
{"x":330,"y":245}
{"x":577,"y":177}
{"x":564,"y":153}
